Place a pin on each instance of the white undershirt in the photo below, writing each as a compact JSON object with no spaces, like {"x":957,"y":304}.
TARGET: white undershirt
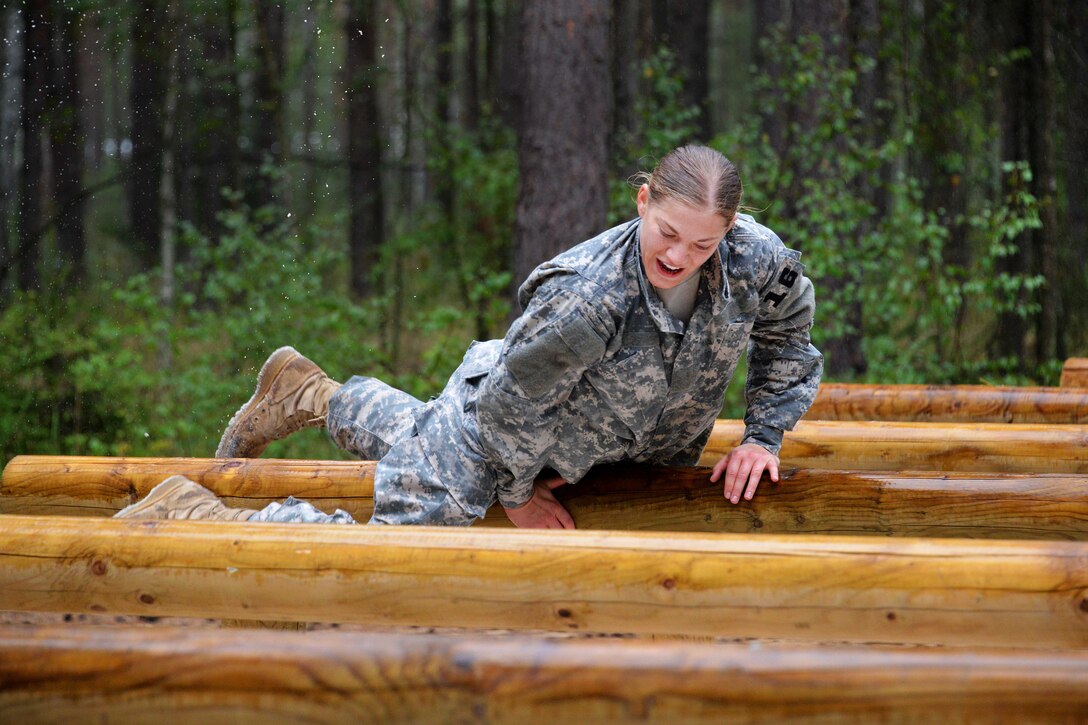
{"x":680,"y":300}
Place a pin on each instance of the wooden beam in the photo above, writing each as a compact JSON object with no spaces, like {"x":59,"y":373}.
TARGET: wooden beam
{"x":950,"y":403}
{"x":1075,"y":373}
{"x":884,"y":446}
{"x":628,"y":497}
{"x":79,"y":674}
{"x":101,"y":486}
{"x":859,"y":589}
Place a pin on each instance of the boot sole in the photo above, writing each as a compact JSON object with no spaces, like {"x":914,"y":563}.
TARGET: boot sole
{"x":271,"y":369}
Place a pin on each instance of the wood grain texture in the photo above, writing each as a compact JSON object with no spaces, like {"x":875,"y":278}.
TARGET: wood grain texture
{"x":885,"y":446}
{"x":624,"y":497}
{"x":859,"y":589}
{"x":101,"y":486}
{"x":1075,"y":373}
{"x":950,"y":403}
{"x":81,"y":674}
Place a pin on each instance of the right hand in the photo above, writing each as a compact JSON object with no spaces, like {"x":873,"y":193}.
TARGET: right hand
{"x":542,"y":511}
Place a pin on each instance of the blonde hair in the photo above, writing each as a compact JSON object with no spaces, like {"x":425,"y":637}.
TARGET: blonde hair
{"x":697,"y":176}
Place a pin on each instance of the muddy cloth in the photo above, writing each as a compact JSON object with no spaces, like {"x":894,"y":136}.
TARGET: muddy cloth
{"x":595,"y":370}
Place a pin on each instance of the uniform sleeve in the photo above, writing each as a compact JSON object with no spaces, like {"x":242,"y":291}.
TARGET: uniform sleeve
{"x":784,"y":368}
{"x":544,"y":355}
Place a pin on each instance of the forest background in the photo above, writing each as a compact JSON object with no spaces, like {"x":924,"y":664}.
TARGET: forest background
{"x":187,"y":185}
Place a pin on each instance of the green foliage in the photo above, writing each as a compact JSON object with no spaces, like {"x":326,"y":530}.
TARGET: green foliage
{"x":445,"y":278}
{"x":818,"y":196}
{"x":117,"y":370}
{"x":130,"y":373}
{"x":662,"y":123}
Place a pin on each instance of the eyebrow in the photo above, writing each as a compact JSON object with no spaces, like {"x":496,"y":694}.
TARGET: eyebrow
{"x":672,"y":229}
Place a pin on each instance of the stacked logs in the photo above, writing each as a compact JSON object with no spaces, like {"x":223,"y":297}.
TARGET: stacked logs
{"x":899,"y":571}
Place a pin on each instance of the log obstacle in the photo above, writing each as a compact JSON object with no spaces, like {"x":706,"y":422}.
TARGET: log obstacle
{"x":885,"y":446}
{"x":1075,"y":373}
{"x":65,"y":674}
{"x":950,"y":403}
{"x":927,"y":591}
{"x":101,"y":486}
{"x":625,"y":497}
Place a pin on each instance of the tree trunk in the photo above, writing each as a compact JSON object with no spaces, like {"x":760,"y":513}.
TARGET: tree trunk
{"x":772,"y":17}
{"x":1049,"y":343}
{"x":827,"y":20}
{"x":625,"y":75}
{"x":364,"y":146}
{"x":147,"y":95}
{"x":563,"y":194}
{"x":686,"y":32}
{"x":511,"y":55}
{"x":66,"y":146}
{"x":1014,"y":20}
{"x":217,"y":127}
{"x":93,"y":111}
{"x":268,"y":102}
{"x":471,"y":112}
{"x":168,"y":197}
{"x":444,"y":94}
{"x":308,"y":204}
{"x":1074,"y":160}
{"x":10,"y":113}
{"x":36,"y":35}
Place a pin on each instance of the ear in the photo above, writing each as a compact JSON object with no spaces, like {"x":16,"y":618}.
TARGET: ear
{"x":732,"y":223}
{"x":642,"y":199}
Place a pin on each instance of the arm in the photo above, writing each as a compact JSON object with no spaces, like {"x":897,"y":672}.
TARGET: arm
{"x":784,"y":372}
{"x":545,"y":354}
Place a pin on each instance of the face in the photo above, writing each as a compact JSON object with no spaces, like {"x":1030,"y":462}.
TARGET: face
{"x":676,"y":238}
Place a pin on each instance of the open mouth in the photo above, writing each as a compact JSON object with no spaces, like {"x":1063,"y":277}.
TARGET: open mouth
{"x":667,"y":270}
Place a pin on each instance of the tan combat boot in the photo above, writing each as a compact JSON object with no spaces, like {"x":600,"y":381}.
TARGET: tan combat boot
{"x":292,"y":393}
{"x":179,"y":498}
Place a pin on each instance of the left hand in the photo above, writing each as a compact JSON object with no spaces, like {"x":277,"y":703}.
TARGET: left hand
{"x":543,"y":510}
{"x":743,"y":468}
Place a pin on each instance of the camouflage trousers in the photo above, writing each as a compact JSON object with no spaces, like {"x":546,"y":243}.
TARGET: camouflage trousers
{"x":375,"y":422}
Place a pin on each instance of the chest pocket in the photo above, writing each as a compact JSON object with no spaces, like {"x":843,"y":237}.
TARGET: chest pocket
{"x":631,"y":385}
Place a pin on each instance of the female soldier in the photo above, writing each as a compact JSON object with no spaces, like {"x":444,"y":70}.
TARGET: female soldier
{"x":623,"y":352}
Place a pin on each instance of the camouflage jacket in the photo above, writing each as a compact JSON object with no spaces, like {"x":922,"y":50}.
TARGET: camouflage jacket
{"x":597,"y":370}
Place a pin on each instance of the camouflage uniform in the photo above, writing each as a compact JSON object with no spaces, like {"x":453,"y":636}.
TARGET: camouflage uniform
{"x":595,"y":370}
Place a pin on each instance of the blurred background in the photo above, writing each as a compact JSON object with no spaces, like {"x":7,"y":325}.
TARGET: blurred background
{"x":187,"y":185}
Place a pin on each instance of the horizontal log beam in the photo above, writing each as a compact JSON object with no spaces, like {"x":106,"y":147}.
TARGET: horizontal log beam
{"x":1075,"y":373}
{"x":950,"y":403}
{"x":885,"y":446}
{"x":871,"y":589}
{"x":1015,"y":506}
{"x":77,"y":674}
{"x":101,"y":486}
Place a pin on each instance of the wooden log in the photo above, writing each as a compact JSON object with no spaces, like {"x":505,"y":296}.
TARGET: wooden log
{"x":928,"y":591}
{"x":101,"y":486}
{"x":59,"y":674}
{"x":1014,"y":506}
{"x":1075,"y":373}
{"x":950,"y":403}
{"x":884,"y":446}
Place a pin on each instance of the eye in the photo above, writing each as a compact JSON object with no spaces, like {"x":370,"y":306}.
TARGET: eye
{"x":704,"y":248}
{"x":667,"y":235}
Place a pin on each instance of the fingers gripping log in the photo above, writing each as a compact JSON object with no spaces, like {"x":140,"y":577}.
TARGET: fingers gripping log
{"x":77,"y":674}
{"x":941,"y":591}
{"x":884,"y":446}
{"x":950,"y":403}
{"x":628,"y":497}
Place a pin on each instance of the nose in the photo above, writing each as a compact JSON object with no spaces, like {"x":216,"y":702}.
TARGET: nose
{"x":676,"y":255}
